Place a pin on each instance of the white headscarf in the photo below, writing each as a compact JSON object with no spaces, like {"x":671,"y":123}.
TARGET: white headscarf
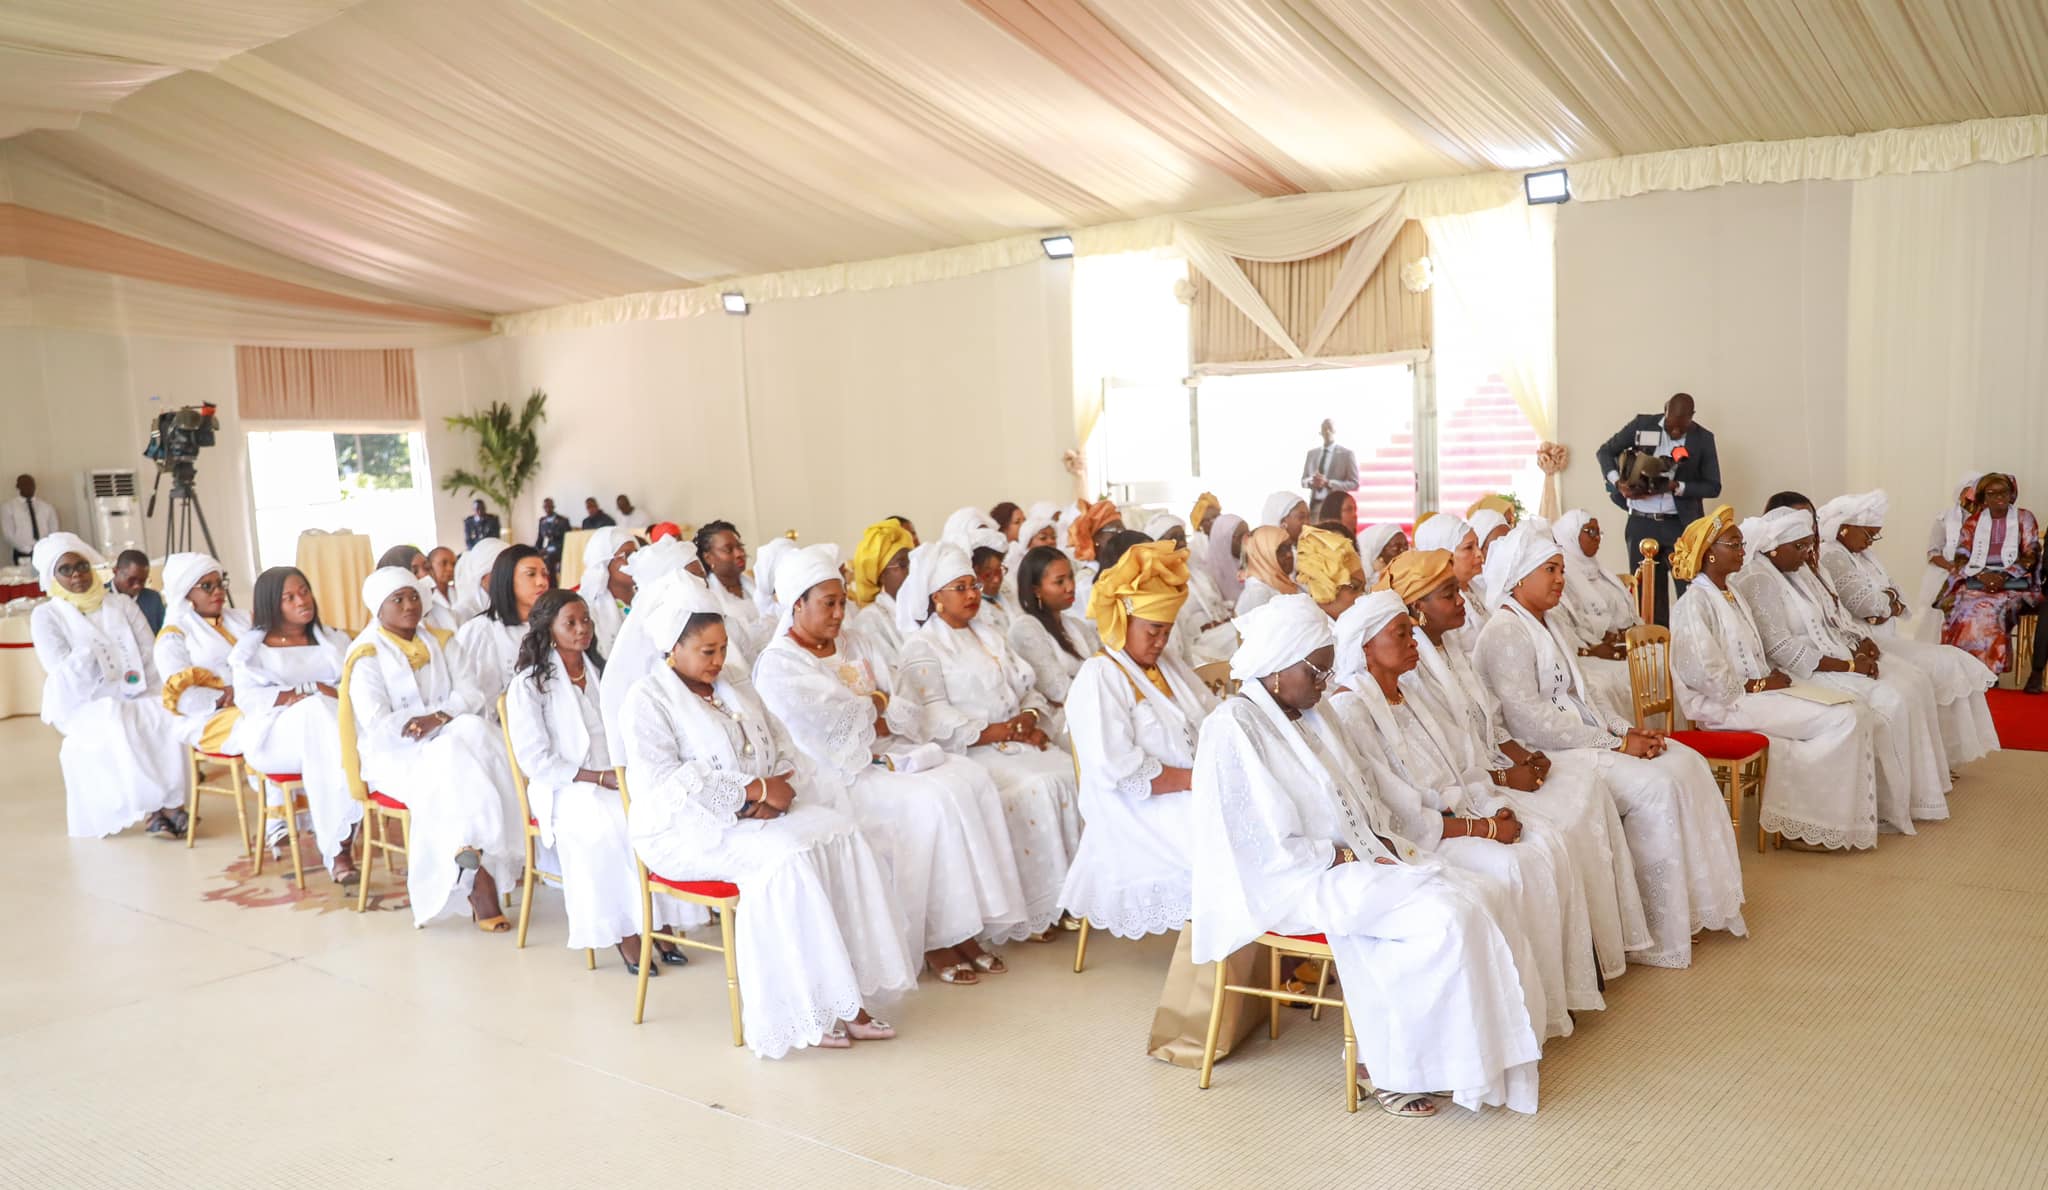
{"x":1360,"y":623}
{"x":1762,"y":534}
{"x":664,"y":622}
{"x":1526,"y":547}
{"x":1044,"y":510}
{"x":1441,"y":532}
{"x":472,"y":575}
{"x":598,"y":551}
{"x":1226,"y":568}
{"x":932,"y":565}
{"x":666,"y":556}
{"x":1278,"y":633}
{"x":1483,"y":522}
{"x":1952,"y":517}
{"x":1866,"y":509}
{"x":796,"y":574}
{"x":1582,"y":573}
{"x":182,"y":572}
{"x":1163,"y":523}
{"x":1277,"y":506}
{"x":972,"y":529}
{"x":1371,"y":540}
{"x":51,"y":549}
{"x":766,"y":560}
{"x":385,"y":580}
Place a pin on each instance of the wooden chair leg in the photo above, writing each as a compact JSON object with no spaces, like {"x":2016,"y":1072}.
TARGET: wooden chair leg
{"x":1350,"y":1063}
{"x":239,"y":774}
{"x":732,"y":975}
{"x":1081,"y":947}
{"x":291,"y":834}
{"x":1215,"y":1026}
{"x":191,"y":796}
{"x":646,"y":948}
{"x":1273,"y":1006}
{"x":368,"y":865}
{"x":1322,"y":981}
{"x":589,"y":959}
{"x":262,"y":829}
{"x":526,"y":893}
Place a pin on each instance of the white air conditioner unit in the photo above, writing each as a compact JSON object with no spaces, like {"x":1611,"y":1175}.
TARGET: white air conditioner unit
{"x":113,"y":520}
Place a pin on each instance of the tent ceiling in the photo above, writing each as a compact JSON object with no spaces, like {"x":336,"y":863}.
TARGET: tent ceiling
{"x":500,"y":155}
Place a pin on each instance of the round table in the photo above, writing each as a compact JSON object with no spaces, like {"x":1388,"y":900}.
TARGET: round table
{"x":335,"y":565}
{"x":21,"y":675}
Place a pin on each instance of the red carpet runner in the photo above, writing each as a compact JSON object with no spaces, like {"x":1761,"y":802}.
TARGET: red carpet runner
{"x":2022,"y":719}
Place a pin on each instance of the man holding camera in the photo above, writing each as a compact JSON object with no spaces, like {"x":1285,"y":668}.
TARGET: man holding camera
{"x":26,"y":519}
{"x":1661,"y":498}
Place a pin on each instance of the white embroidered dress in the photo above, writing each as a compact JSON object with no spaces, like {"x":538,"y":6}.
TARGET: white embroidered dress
{"x":121,"y":757}
{"x":1052,"y":667}
{"x":303,"y":738}
{"x":187,"y":641}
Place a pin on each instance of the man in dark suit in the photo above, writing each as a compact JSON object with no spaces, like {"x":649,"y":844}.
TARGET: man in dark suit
{"x":1660,"y":509}
{"x":594,"y":515}
{"x":553,"y":528}
{"x":477,"y":525}
{"x":1328,"y":468}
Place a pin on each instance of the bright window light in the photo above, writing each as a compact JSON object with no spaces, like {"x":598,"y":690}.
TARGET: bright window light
{"x":1550,"y":185}
{"x":735,"y":303}
{"x":1058,"y":247}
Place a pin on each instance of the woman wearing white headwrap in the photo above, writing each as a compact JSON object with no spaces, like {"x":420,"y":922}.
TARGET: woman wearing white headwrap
{"x":414,"y":716}
{"x":1202,"y":632}
{"x":473,"y":577}
{"x":555,"y":720}
{"x":1595,"y":615}
{"x":1049,"y":634}
{"x":1685,"y":858}
{"x":1432,"y":978}
{"x":1488,"y":526}
{"x":1226,"y":556}
{"x":1823,"y":781}
{"x":1134,"y":710}
{"x":1942,"y":539}
{"x":1848,"y":527}
{"x":191,"y":653}
{"x":1800,"y":637}
{"x":121,"y":758}
{"x":1379,"y":545}
{"x":1563,"y":794}
{"x":1415,"y":782}
{"x":936,"y":818}
{"x":1285,"y":510}
{"x":288,"y":687}
{"x":607,"y":584}
{"x":720,"y":793}
{"x":1037,"y":530}
{"x":488,"y":645}
{"x":961,"y":686}
{"x":1452,"y":535}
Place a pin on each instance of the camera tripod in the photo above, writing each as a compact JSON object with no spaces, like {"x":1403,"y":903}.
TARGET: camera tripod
{"x":183,"y":509}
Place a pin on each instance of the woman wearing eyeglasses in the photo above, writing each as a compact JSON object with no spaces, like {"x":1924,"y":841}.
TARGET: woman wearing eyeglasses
{"x":880,"y":564}
{"x":200,"y":631}
{"x":1595,"y":614}
{"x":121,"y":758}
{"x":964,"y":688}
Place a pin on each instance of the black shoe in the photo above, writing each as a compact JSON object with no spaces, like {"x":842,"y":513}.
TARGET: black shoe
{"x":674,"y":957}
{"x":633,"y":968}
{"x":2033,"y":685}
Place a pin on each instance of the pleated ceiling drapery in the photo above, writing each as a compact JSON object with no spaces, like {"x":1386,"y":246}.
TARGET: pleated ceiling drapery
{"x":1377,"y":318}
{"x":319,"y":384}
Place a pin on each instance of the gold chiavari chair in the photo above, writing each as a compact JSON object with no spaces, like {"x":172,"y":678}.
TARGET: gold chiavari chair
{"x":533,"y":871}
{"x":1305,"y":946}
{"x":1740,"y":759}
{"x":719,"y":896}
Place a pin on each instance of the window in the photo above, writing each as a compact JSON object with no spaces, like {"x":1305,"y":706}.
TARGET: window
{"x":1255,"y":430}
{"x":373,"y":482}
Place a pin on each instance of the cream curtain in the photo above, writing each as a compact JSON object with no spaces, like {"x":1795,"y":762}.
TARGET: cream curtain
{"x":1381,"y":318}
{"x":1500,"y":268}
{"x":319,"y":384}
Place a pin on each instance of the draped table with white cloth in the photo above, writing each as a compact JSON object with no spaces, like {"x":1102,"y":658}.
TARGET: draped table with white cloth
{"x":335,"y":565}
{"x":21,"y":675}
{"x":572,"y":555}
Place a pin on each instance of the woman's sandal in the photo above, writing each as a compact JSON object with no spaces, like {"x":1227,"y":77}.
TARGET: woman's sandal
{"x":836,"y":1039}
{"x":960,"y":973}
{"x":469,"y":859}
{"x":491,"y":925}
{"x":1411,"y":1105}
{"x":990,"y":964}
{"x":873,"y":1029}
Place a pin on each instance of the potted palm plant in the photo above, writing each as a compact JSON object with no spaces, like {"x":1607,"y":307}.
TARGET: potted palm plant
{"x":507,"y":451}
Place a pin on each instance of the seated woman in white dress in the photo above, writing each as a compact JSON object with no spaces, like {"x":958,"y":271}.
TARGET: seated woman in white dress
{"x":963,"y":687}
{"x":880,"y":564}
{"x":1037,"y":531}
{"x":1268,"y":567}
{"x":1227,"y":539}
{"x":1823,"y":778}
{"x":1134,"y":712}
{"x":1378,"y":545}
{"x":1452,"y":535}
{"x":1286,"y":511}
{"x":473,"y":577}
{"x":1467,"y":826}
{"x":1327,"y":567}
{"x":121,"y":758}
{"x":1566,"y":796}
{"x":288,"y":687}
{"x":1596,"y":614}
{"x":438,"y":613}
{"x":1288,"y":839}
{"x":554,"y":712}
{"x":1849,"y":526}
{"x":935,"y":817}
{"x":1488,"y":527}
{"x":1686,"y":863}
{"x":1047,"y":634}
{"x":1203,"y":632}
{"x":488,"y":645}
{"x":724,"y":559}
{"x":993,"y":574}
{"x":414,"y":717}
{"x":607,"y":585}
{"x":1803,"y":640}
{"x":192,"y":654}
{"x":1944,"y":537}
{"x":720,"y":793}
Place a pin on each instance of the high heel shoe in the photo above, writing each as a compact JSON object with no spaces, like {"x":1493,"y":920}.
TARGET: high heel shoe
{"x":633,"y":968}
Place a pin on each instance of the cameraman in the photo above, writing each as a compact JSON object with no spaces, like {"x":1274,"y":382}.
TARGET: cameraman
{"x":1660,"y":510}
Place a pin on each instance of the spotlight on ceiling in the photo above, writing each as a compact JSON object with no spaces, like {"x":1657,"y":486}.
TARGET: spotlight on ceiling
{"x":1057,"y":247}
{"x":735,"y":303}
{"x":1550,"y":185}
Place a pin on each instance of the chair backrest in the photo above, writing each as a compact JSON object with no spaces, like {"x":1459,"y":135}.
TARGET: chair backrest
{"x":625,"y":799}
{"x":1644,"y":588}
{"x":351,"y":746}
{"x":1216,"y":676}
{"x":1649,"y":675}
{"x":2023,"y":644}
{"x":512,"y":758}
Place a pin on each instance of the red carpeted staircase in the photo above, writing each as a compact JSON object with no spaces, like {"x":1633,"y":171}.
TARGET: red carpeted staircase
{"x":2022,"y":719}
{"x":1480,"y":445}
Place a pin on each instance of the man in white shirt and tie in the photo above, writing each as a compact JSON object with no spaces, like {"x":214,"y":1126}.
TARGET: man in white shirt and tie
{"x":25,"y":519}
{"x":1328,"y":468}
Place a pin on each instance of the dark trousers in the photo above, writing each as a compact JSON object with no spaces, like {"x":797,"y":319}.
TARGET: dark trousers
{"x":1665,"y":533}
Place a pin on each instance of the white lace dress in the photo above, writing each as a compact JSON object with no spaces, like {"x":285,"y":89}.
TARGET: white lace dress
{"x":1052,"y":667}
{"x":1687,"y":867}
{"x":121,"y":756}
{"x":936,"y":818}
{"x":1131,"y":874}
{"x":819,"y":935}
{"x":1822,"y":785}
{"x":1595,"y":604}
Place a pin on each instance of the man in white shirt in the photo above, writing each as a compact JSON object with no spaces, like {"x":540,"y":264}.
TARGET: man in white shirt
{"x":1661,"y":509}
{"x":629,"y":516}
{"x":1328,"y":468}
{"x":25,"y":519}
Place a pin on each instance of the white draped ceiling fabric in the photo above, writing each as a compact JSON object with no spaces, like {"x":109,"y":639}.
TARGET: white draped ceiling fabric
{"x":569,"y":162}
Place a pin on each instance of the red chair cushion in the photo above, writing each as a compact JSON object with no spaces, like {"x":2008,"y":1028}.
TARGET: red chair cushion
{"x":1305,"y":938}
{"x":389,"y":803}
{"x":219,"y":755}
{"x":533,"y":822}
{"x":1723,"y":745}
{"x":700,"y":888}
{"x":283,"y":778}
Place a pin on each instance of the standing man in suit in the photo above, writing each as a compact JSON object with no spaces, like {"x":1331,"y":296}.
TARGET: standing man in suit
{"x":1660,"y":509}
{"x":553,"y":528}
{"x":1328,"y":468}
{"x":477,"y":525}
{"x":26,"y":519}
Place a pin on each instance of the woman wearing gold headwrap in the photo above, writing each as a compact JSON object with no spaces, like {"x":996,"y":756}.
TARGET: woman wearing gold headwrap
{"x":880,"y":563}
{"x":1567,"y":796}
{"x":1134,"y":711}
{"x":1494,"y":502}
{"x":1326,"y":566}
{"x":1268,"y":567}
{"x":1086,"y":534}
{"x":1823,"y":786}
{"x":121,"y":759}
